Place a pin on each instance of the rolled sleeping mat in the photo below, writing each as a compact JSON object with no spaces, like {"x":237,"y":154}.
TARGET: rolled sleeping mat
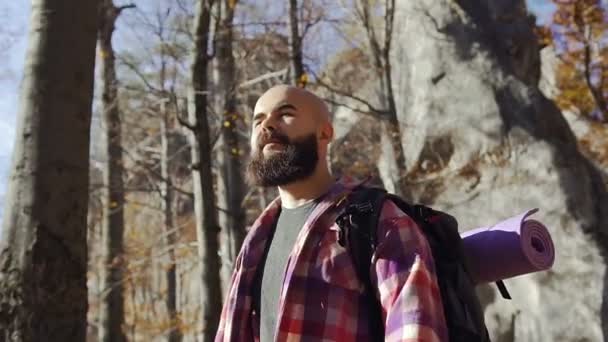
{"x":513,"y":247}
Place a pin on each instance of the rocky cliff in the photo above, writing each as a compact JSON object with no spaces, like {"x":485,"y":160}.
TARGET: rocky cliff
{"x":483,"y":143}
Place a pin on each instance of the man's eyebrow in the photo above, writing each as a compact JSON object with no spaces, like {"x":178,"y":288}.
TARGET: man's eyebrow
{"x":278,"y":108}
{"x":285,"y":106}
{"x":258,"y":116}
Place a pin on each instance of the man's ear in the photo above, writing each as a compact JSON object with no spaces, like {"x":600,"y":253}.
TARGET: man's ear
{"x":327,"y":132}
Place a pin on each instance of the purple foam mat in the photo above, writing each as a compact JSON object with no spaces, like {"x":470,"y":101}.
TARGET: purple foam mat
{"x":510,"y":248}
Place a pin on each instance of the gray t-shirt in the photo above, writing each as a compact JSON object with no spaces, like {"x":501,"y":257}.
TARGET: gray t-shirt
{"x":270,"y":280}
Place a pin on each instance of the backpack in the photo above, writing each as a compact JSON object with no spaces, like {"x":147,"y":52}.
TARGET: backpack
{"x":358,"y":221}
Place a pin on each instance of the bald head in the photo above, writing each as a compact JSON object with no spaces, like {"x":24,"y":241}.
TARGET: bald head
{"x":305,"y":102}
{"x":290,"y":114}
{"x":290,"y":135}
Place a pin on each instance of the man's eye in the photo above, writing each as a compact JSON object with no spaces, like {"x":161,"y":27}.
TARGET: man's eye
{"x":287,"y":114}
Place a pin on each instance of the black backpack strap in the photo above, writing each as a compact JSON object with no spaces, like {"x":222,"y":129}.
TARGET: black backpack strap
{"x":358,"y":222}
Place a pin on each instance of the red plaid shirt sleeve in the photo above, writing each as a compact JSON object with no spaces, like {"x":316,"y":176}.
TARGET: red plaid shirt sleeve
{"x":406,"y":279}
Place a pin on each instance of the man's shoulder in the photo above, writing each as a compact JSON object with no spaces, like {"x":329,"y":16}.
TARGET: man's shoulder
{"x":384,"y":203}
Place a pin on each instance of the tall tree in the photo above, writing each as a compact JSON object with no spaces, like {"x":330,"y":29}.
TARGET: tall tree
{"x":379,"y":45}
{"x":168,"y":99}
{"x":153,"y":171}
{"x":166,"y":187}
{"x":296,"y":71}
{"x":43,"y":251}
{"x":207,"y":227}
{"x":581,"y":32}
{"x":231,"y":187}
{"x":111,"y":314}
{"x":372,"y":30}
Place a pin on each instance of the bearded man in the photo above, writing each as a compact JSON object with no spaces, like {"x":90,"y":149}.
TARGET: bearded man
{"x":293,"y":281}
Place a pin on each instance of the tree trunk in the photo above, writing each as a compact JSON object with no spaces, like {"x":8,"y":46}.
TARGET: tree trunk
{"x":111,"y":313}
{"x":167,"y":151}
{"x":295,"y":46}
{"x":394,"y":160}
{"x":207,"y":228}
{"x":596,"y":92}
{"x":388,"y":163}
{"x":391,"y":133}
{"x":231,"y":188}
{"x":169,"y":222}
{"x":394,"y":180}
{"x":43,"y":251}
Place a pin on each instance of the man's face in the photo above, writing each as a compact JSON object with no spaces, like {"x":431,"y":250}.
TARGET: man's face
{"x":284,"y":146}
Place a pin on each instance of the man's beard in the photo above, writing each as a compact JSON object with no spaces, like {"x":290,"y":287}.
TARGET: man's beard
{"x":295,"y":161}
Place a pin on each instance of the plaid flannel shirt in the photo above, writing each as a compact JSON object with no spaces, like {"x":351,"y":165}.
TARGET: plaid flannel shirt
{"x":322,"y":298}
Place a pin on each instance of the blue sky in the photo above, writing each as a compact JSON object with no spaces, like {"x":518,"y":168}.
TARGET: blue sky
{"x":14,"y":17}
{"x":542,"y":9}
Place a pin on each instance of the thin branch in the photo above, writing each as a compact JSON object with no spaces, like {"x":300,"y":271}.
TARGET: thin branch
{"x":124,"y":7}
{"x":215,"y":137}
{"x":262,"y":78}
{"x":372,"y":115}
{"x":218,"y":26}
{"x":371,"y":36}
{"x":100,"y":186}
{"x":186,"y":123}
{"x":155,"y":174}
{"x":309,"y":25}
{"x":388,"y":27}
{"x":587,"y":64}
{"x":261,"y":23}
{"x":133,"y":68}
{"x":381,"y":112}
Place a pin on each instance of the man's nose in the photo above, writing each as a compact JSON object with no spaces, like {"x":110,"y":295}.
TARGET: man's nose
{"x":268,"y":124}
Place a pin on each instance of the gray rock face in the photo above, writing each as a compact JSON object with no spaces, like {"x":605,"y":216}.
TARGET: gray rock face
{"x":483,"y":143}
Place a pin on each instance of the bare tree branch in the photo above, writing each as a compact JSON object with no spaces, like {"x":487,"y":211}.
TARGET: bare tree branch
{"x":388,"y":28}
{"x":596,"y":92}
{"x":381,"y":113}
{"x":264,"y":77}
{"x":155,"y":174}
{"x":184,"y":122}
{"x":124,"y":7}
{"x":370,"y":114}
{"x":138,"y":73}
